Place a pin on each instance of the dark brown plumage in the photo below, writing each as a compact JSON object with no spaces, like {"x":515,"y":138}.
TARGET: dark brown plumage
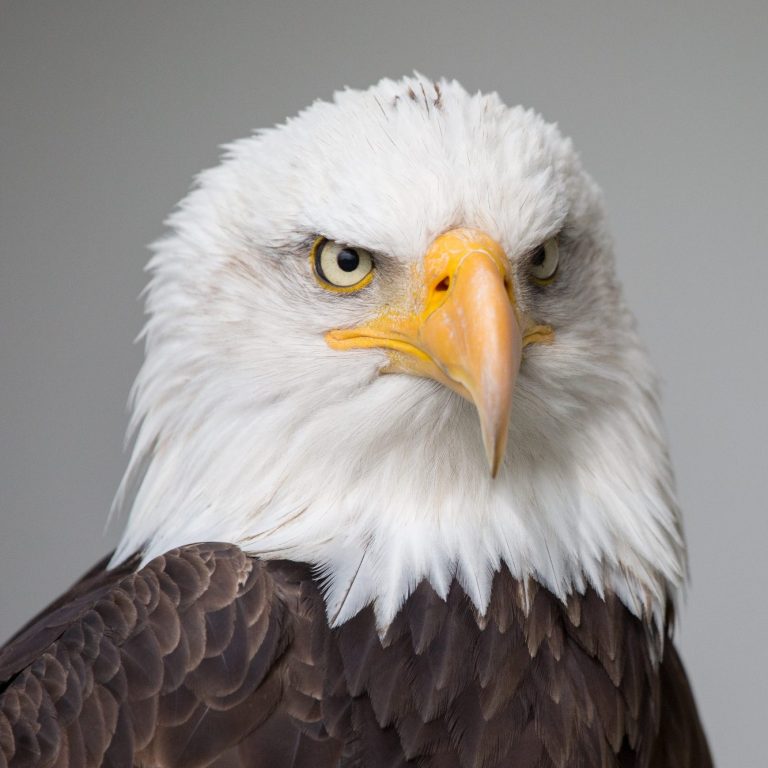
{"x":209,"y":657}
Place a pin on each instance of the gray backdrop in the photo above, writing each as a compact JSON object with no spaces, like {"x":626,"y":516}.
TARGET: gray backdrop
{"x":107,"y":109}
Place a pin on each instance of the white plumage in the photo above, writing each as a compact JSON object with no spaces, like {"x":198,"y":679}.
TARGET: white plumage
{"x":250,"y":429}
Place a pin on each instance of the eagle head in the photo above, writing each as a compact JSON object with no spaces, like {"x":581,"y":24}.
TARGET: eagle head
{"x":386,"y":338}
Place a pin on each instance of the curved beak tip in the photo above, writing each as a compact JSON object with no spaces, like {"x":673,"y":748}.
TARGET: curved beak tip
{"x":495,"y":444}
{"x":493,"y":462}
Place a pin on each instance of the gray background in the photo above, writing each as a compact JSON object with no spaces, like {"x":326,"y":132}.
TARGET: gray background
{"x":107,"y":109}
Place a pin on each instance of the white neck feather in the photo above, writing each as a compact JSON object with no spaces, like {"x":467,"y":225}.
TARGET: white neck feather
{"x":390,"y":486}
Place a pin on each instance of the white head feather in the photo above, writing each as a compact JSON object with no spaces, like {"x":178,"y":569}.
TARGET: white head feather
{"x":250,"y":429}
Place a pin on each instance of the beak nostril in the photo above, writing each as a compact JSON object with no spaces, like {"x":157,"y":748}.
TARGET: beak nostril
{"x":443,"y":284}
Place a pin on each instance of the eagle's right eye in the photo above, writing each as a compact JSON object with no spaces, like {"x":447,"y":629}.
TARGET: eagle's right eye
{"x":341,"y":268}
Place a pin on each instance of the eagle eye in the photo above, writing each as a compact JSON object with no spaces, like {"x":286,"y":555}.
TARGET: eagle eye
{"x":341,"y":268}
{"x":544,"y":261}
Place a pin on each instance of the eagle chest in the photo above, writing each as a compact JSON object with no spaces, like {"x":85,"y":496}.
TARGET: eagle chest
{"x":532,"y":683}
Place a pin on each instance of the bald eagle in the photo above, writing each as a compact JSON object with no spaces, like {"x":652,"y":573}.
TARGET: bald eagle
{"x":399,"y":493}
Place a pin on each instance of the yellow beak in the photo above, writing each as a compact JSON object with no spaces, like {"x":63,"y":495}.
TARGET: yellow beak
{"x":464,"y":330}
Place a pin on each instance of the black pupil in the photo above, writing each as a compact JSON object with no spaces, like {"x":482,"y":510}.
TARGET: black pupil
{"x":348,"y":260}
{"x":538,"y":256}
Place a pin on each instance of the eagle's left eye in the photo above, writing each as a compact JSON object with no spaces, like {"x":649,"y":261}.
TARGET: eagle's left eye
{"x":544,"y":261}
{"x":341,"y":267}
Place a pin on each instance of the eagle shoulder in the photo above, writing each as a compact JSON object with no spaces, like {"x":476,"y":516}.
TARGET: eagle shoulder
{"x":157,"y":666}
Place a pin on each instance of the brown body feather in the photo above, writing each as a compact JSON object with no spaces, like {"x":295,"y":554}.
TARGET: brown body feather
{"x":209,"y":657}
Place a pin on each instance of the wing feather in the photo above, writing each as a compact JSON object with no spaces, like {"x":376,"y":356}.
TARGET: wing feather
{"x":160,"y":666}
